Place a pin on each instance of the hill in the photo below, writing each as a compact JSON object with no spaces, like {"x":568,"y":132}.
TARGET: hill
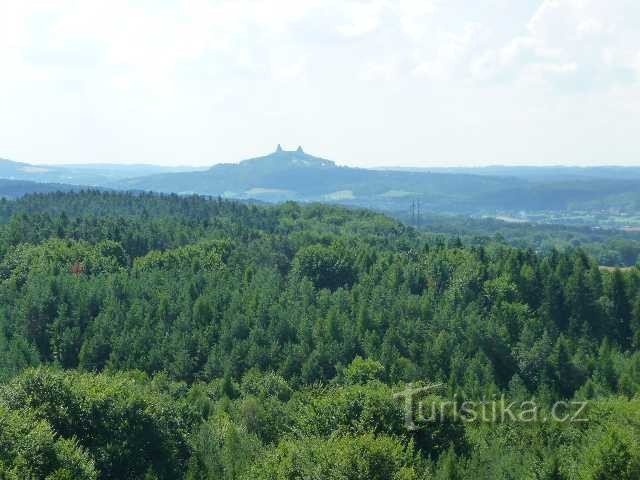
{"x":296,"y":175}
{"x":18,"y":188}
{"x":80,"y":174}
{"x":540,"y":173}
{"x":176,"y":337}
{"x":604,"y":196}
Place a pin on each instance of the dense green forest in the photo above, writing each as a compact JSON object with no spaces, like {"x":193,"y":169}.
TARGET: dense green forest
{"x":609,"y":247}
{"x":166,"y":337}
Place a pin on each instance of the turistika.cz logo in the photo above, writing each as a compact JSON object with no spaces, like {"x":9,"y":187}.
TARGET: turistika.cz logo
{"x":422,"y":406}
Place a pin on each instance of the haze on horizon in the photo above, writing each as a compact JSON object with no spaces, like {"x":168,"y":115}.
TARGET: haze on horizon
{"x":363,"y":83}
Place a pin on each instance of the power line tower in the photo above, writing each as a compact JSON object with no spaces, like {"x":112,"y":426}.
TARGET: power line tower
{"x":413,"y":213}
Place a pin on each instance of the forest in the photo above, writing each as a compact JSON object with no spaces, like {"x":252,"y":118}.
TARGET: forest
{"x":149,"y":336}
{"x":610,"y":247}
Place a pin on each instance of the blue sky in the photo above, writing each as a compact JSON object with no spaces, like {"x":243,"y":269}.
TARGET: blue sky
{"x":365,"y":83}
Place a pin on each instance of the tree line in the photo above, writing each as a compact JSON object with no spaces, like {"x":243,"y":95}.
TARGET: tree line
{"x":152,"y":336}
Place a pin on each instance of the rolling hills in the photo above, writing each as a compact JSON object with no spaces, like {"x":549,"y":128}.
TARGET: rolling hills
{"x":296,"y":175}
{"x":80,"y":174}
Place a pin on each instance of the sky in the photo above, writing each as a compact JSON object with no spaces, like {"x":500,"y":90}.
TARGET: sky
{"x":364,"y":83}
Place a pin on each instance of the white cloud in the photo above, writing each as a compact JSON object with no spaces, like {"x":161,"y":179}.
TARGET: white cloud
{"x":577,"y":38}
{"x":450,"y":52}
{"x":362,"y":17}
{"x":104,"y":80}
{"x":413,"y":15}
{"x":385,"y":71}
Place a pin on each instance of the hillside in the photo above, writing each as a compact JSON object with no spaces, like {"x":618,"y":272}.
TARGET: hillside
{"x":541,"y":173}
{"x":166,"y":337}
{"x":79,"y":174}
{"x":18,"y":188}
{"x":296,"y":175}
{"x":592,"y":196}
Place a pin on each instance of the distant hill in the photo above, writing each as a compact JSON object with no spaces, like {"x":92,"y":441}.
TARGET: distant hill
{"x":17,"y":188}
{"x":80,"y":174}
{"x":544,"y":173}
{"x":282,"y":174}
{"x":296,"y":175}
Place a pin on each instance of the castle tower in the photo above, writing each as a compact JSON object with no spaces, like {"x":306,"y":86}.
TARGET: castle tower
{"x":278,"y":148}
